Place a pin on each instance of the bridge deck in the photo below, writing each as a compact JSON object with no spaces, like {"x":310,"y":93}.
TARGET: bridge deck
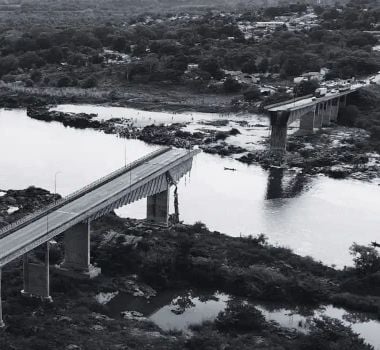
{"x":20,"y":239}
{"x":306,"y":102}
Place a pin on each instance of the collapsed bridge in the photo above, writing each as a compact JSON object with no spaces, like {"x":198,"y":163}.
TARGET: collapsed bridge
{"x":149,"y":177}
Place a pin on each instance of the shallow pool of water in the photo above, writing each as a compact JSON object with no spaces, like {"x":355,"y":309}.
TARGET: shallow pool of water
{"x":315,"y":216}
{"x":364,"y":324}
{"x":179,"y":310}
{"x":172,"y":310}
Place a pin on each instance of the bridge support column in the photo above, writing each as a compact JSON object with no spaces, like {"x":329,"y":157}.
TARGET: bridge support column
{"x":326,"y":114}
{"x":278,"y":138}
{"x":307,"y":123}
{"x":77,"y":252}
{"x":279,"y":131}
{"x":158,"y":208}
{"x":318,"y":116}
{"x":1,"y":306}
{"x":37,"y":277}
{"x":335,"y":110}
{"x":344,"y":100}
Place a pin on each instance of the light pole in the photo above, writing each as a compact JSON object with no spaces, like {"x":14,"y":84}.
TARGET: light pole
{"x":55,"y":185}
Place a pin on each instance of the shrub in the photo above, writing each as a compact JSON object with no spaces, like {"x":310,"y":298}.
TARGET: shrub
{"x":64,"y":81}
{"x":88,"y":83}
{"x":199,"y":226}
{"x":231,"y":85}
{"x":36,"y":76}
{"x":348,"y":115}
{"x":252,"y":94}
{"x":240,"y":317}
{"x":366,"y":258}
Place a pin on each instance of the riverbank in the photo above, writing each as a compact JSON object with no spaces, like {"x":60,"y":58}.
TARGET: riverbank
{"x":144,"y":261}
{"x":153,"y":97}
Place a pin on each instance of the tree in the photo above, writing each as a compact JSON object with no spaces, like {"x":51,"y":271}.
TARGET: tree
{"x":252,"y":94}
{"x":293,"y":66}
{"x":64,"y":81}
{"x":86,"y":39}
{"x":366,"y":258}
{"x":36,"y":76}
{"x":25,"y":43}
{"x":231,"y":85}
{"x":211,"y":66}
{"x":318,"y":10}
{"x":28,"y":83}
{"x":263,"y":65}
{"x":306,"y":87}
{"x":249,"y":67}
{"x":8,"y":64}
{"x":31,"y":59}
{"x":88,"y":83}
{"x":275,"y":98}
{"x":348,"y":115}
{"x":119,"y":43}
{"x":96,"y":59}
{"x":43,"y":41}
{"x":76,"y":59}
{"x":54,"y":55}
{"x":361,"y":39}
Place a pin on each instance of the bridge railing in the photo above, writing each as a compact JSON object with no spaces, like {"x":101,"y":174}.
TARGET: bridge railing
{"x":287,"y":101}
{"x":5,"y":231}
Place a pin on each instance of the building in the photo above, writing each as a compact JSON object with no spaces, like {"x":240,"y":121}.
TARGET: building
{"x":192,"y":67}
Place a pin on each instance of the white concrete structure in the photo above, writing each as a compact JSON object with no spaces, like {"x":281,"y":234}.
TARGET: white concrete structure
{"x":150,"y":177}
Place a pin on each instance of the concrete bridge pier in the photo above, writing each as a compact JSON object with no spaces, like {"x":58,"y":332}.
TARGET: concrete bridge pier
{"x":326,"y":114}
{"x":335,"y":109}
{"x":77,"y":252}
{"x":307,"y":123}
{"x":279,"y":131}
{"x":2,"y":324}
{"x":158,"y":208}
{"x":318,"y":116}
{"x":37,"y":276}
{"x":343,"y":100}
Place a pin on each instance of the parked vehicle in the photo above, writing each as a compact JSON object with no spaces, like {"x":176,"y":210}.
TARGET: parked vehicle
{"x":344,"y":87}
{"x":320,"y":92}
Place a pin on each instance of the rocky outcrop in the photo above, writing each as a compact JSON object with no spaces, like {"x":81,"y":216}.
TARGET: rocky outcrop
{"x":14,"y":204}
{"x":76,"y":120}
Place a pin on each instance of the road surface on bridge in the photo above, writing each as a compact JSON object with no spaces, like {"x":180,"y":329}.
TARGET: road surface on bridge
{"x":20,"y":238}
{"x":306,"y":102}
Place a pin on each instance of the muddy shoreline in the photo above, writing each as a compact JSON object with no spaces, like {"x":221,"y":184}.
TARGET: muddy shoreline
{"x":142,"y":100}
{"x":136,"y":257}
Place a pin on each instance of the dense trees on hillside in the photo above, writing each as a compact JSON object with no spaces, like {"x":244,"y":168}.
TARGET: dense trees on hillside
{"x":363,"y":15}
{"x":161,"y":50}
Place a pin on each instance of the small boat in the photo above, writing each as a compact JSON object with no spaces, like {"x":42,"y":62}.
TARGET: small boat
{"x":231,"y":169}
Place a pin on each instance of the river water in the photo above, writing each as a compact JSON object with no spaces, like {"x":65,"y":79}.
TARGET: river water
{"x":315,"y":216}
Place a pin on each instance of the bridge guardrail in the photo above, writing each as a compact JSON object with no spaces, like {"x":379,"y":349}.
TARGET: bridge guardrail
{"x":5,"y":231}
{"x":288,"y":101}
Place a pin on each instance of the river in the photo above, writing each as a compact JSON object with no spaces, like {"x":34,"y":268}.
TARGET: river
{"x":315,"y":216}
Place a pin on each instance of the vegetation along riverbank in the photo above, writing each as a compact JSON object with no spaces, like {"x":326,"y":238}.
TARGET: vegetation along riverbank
{"x":143,"y":260}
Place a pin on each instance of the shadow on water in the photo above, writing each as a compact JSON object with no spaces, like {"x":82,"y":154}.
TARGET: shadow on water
{"x":283,"y":184}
